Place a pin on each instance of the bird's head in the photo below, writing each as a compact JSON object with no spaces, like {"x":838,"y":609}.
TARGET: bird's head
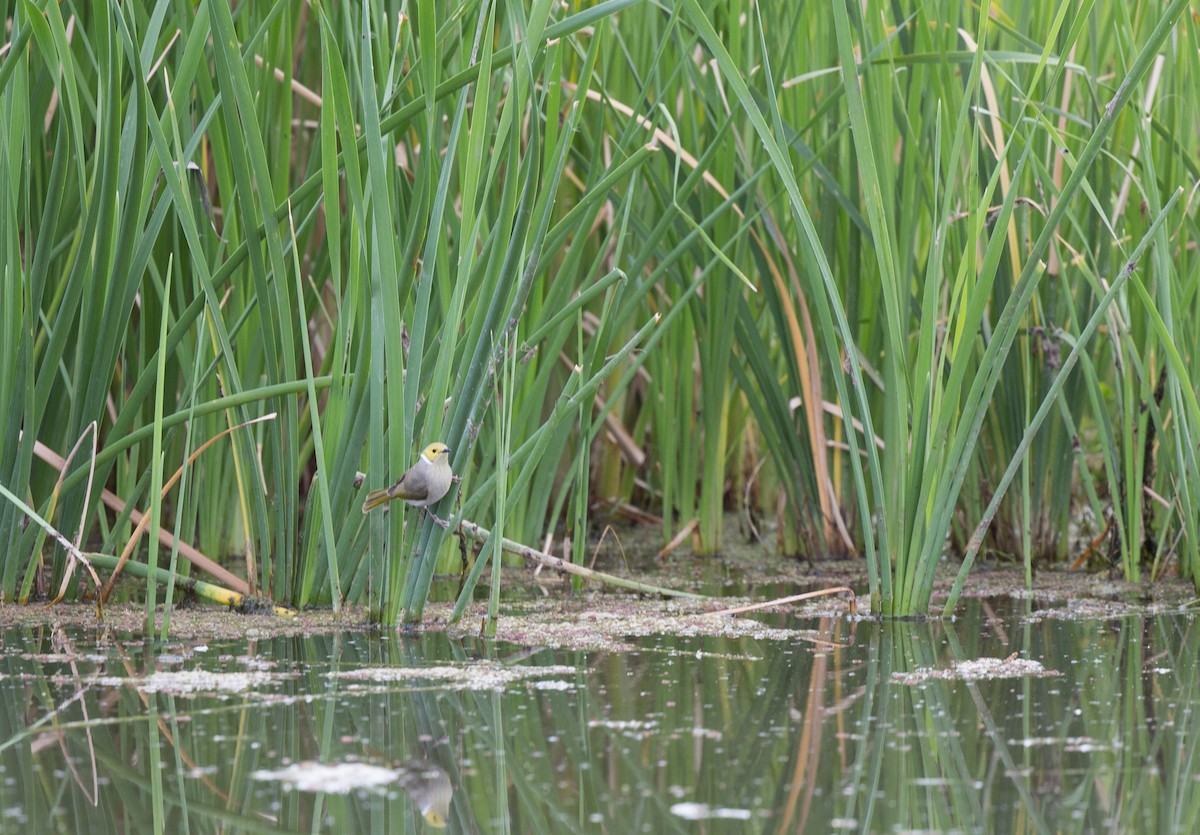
{"x":437,"y":453}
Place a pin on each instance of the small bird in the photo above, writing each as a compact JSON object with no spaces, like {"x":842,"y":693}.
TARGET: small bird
{"x":423,"y":484}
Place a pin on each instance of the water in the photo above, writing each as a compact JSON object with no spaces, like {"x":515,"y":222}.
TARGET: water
{"x":812,"y":735}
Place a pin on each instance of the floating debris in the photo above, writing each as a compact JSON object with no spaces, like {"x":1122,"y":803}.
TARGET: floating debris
{"x":1089,"y":608}
{"x":553,"y":684}
{"x":1079,"y":744}
{"x":64,"y":657}
{"x":976,"y":670}
{"x":185,"y":682}
{"x":702,"y":811}
{"x":484,"y":675}
{"x":333,"y":778}
{"x":607,"y":622}
{"x":632,"y":728}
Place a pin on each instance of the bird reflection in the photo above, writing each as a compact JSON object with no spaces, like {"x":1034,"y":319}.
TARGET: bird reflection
{"x":428,"y":784}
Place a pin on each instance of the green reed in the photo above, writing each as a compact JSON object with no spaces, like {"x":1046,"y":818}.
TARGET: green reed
{"x":871,"y":239}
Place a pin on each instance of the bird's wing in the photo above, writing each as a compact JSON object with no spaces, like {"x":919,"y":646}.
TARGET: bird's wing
{"x":404,"y":489}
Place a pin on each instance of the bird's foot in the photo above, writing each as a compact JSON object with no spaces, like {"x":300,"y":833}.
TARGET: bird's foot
{"x":438,"y":519}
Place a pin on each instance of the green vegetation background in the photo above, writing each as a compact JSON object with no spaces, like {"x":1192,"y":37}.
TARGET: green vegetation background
{"x":894,"y":280}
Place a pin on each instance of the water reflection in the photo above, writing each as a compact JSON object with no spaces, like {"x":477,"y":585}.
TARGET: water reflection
{"x":429,"y":787}
{"x":835,"y":734}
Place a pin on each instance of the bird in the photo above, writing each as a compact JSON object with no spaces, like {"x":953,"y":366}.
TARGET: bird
{"x":423,"y":484}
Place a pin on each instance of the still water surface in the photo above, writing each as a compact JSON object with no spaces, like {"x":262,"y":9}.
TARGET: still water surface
{"x":380,"y":733}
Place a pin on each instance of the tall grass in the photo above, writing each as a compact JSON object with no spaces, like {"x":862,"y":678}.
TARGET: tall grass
{"x":821,"y":266}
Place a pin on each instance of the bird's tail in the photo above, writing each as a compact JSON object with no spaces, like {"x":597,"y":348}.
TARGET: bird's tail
{"x":375,"y":498}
